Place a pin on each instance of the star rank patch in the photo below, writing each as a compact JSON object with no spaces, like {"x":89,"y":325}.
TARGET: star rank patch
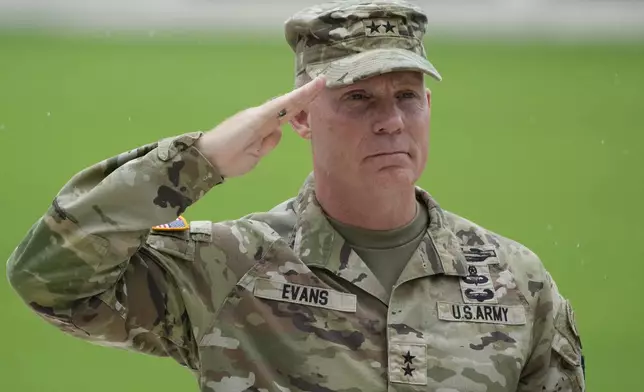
{"x":408,"y":363}
{"x":381,"y":27}
{"x":178,"y":224}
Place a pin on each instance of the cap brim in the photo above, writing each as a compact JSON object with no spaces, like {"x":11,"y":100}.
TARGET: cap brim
{"x":351,"y":69}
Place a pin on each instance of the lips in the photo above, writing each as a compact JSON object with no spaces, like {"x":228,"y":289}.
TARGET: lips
{"x":380,"y":154}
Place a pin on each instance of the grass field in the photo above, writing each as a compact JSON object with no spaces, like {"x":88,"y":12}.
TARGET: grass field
{"x":543,"y":143}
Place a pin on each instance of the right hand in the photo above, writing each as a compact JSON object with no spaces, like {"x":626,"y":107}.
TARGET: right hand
{"x":236,"y":145}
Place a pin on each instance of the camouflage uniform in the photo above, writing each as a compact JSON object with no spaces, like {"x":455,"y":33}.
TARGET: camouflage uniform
{"x":278,"y":301}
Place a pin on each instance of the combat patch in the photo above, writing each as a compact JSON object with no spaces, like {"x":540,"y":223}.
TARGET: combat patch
{"x":408,"y":363}
{"x":475,"y":313}
{"x":178,"y":224}
{"x":481,"y":255}
{"x":305,"y":295}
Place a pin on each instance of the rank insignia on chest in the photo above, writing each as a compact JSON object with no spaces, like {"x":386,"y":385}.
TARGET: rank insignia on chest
{"x":408,"y":363}
{"x":178,"y":224}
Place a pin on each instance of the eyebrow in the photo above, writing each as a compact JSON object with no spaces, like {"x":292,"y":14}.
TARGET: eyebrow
{"x":405,"y":82}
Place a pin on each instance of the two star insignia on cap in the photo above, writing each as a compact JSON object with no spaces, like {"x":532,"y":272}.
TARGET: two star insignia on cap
{"x":381,"y":28}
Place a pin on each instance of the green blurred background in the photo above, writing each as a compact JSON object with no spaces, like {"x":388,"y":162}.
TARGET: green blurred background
{"x":540,"y":141}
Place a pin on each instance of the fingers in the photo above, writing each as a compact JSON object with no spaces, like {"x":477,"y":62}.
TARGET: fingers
{"x":290,"y":104}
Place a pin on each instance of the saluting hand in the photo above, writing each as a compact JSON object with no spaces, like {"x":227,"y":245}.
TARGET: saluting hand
{"x":237,"y":144}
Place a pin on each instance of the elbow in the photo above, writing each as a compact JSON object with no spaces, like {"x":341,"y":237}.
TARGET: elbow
{"x":39,"y":271}
{"x":34,"y":279}
{"x":17,"y":274}
{"x":24,"y":277}
{"x":34,"y":292}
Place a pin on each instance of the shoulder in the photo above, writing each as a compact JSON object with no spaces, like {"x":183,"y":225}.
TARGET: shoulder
{"x":220,"y":252}
{"x":281,"y":219}
{"x":250,"y":234}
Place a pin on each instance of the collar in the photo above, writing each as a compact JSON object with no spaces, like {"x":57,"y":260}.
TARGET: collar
{"x":319,"y":245}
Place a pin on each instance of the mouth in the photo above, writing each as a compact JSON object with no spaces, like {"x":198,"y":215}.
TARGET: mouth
{"x":391,"y":153}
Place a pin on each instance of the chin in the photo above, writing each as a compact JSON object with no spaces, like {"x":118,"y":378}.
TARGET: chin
{"x":394,"y":176}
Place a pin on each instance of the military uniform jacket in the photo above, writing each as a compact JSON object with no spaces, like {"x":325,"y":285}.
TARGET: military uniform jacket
{"x":277,"y":301}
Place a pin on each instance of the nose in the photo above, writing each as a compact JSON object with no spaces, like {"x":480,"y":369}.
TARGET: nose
{"x":388,"y":119}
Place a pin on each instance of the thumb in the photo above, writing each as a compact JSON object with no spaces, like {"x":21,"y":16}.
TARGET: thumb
{"x":270,"y":142}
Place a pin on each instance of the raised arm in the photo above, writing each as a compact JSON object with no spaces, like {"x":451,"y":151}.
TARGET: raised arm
{"x":89,"y":265}
{"x":83,"y":261}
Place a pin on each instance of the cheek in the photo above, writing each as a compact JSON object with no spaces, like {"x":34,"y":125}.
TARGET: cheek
{"x":335,"y":132}
{"x":420,"y":132}
{"x":417,"y":120}
{"x":326,"y":140}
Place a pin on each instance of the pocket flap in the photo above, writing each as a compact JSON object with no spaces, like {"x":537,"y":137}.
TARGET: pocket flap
{"x":173,"y":244}
{"x":563,"y":347}
{"x":566,"y":341}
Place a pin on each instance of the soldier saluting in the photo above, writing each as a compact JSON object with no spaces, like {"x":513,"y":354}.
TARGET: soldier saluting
{"x":361,"y":282}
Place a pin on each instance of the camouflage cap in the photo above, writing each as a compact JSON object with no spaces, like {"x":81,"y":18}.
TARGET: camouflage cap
{"x":353,"y":40}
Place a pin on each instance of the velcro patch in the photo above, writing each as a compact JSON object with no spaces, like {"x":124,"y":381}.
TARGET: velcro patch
{"x":475,"y":313}
{"x":481,"y":255}
{"x":408,"y":363}
{"x":178,"y":224}
{"x":305,"y":295}
{"x":380,"y":27}
{"x":477,"y":287}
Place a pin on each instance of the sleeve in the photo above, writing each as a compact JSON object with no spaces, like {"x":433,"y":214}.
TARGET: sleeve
{"x":85,"y":267}
{"x":557,"y":361}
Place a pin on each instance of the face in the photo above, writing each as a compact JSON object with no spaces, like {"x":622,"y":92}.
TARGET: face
{"x":373,"y":133}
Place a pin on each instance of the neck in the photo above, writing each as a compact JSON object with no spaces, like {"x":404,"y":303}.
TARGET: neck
{"x":373,"y":208}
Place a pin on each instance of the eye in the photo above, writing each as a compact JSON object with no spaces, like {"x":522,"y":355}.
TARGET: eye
{"x":356,"y":96}
{"x":408,"y":95}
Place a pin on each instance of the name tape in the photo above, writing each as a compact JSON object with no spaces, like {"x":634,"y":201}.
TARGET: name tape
{"x":305,"y":295}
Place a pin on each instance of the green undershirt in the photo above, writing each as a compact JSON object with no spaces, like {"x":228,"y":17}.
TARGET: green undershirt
{"x":386,"y":252}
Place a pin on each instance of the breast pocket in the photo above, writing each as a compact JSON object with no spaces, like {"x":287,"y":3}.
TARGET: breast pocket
{"x":474,"y":342}
{"x":287,"y":327}
{"x":478,"y":348}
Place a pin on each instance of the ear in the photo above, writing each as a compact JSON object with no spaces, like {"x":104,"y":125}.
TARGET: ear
{"x":429,"y":97}
{"x":300,"y":123}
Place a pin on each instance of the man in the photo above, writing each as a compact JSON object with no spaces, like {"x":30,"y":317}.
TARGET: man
{"x":359,"y":283}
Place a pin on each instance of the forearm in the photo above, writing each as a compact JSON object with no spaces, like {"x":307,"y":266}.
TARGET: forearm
{"x":101,"y":217}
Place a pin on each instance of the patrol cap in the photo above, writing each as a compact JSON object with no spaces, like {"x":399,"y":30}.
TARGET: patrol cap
{"x":351,"y":40}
